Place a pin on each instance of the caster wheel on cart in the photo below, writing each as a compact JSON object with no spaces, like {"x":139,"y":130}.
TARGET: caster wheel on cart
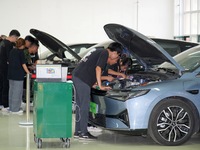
{"x":66,"y":142}
{"x":39,"y":143}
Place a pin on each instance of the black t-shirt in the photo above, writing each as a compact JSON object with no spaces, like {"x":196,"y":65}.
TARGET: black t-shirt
{"x":15,"y":69}
{"x":5,"y":48}
{"x":86,"y":68}
{"x":114,"y":67}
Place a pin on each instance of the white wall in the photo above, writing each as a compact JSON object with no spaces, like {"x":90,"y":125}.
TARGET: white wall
{"x":75,"y":21}
{"x":156,"y":18}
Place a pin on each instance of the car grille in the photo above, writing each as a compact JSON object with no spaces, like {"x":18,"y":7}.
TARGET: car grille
{"x":100,"y":119}
{"x":97,"y":119}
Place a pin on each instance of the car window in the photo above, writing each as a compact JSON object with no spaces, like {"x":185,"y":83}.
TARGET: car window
{"x":69,"y":56}
{"x":172,"y":49}
{"x":189,"y":60}
{"x":80,"y":50}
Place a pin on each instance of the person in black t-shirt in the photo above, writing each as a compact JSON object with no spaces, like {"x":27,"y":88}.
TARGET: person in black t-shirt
{"x":16,"y":72}
{"x":31,"y":55}
{"x":85,"y":75}
{"x":117,"y":70}
{"x":5,"y":47}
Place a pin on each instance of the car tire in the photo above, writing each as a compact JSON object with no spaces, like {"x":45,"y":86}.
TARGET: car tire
{"x":172,"y":122}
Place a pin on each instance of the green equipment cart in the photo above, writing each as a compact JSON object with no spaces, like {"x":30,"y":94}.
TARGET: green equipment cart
{"x":52,"y":113}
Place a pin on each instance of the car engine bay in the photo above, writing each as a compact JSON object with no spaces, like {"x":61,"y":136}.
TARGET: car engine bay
{"x":140,"y":78}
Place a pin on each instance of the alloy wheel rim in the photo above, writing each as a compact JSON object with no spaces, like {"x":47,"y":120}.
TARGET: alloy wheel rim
{"x":173,"y":123}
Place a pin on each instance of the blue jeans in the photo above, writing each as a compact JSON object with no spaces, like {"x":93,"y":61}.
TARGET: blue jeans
{"x":15,"y":95}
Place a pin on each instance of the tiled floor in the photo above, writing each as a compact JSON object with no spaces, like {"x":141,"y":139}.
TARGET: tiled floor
{"x":16,"y":137}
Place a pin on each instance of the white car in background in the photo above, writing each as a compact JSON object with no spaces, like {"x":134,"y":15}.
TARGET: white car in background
{"x":79,"y":48}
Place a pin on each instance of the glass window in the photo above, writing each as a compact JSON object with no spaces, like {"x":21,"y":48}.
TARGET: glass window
{"x":193,"y":38}
{"x":198,"y":32}
{"x":186,"y":24}
{"x":198,"y":4}
{"x":177,"y":24}
{"x":193,"y":5}
{"x":186,"y":5}
{"x":193,"y":23}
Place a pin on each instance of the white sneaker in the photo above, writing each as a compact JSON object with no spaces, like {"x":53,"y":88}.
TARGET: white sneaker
{"x":7,"y":109}
{"x":17,"y":113}
{"x":94,"y":129}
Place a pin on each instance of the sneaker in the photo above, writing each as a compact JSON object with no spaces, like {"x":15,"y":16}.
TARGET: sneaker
{"x":76,"y":135}
{"x":7,"y":109}
{"x":94,"y":129}
{"x":17,"y":113}
{"x":87,"y":136}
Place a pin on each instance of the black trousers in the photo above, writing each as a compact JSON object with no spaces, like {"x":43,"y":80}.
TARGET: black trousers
{"x":4,"y":88}
{"x":82,"y":99}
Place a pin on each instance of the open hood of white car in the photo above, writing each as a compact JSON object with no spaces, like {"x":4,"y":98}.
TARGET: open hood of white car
{"x":53,"y":44}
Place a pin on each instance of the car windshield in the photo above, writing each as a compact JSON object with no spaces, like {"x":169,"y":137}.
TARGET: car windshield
{"x":69,"y":56}
{"x":189,"y":60}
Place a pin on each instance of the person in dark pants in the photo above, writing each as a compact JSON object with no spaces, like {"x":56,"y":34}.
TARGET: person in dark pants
{"x":16,"y":72}
{"x":5,"y":47}
{"x":85,"y":75}
{"x":32,"y":45}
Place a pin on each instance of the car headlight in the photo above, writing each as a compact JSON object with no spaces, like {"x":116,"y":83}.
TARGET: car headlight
{"x":125,"y":95}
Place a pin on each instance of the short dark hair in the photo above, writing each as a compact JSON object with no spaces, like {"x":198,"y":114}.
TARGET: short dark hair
{"x":115,"y":47}
{"x":29,"y":38}
{"x":35,"y":42}
{"x":14,"y":33}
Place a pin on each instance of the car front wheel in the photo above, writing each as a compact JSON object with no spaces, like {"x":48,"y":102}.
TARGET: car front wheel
{"x":171,"y":122}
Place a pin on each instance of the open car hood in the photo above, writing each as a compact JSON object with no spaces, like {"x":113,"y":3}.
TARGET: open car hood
{"x":145,"y":50}
{"x":54,"y":45}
